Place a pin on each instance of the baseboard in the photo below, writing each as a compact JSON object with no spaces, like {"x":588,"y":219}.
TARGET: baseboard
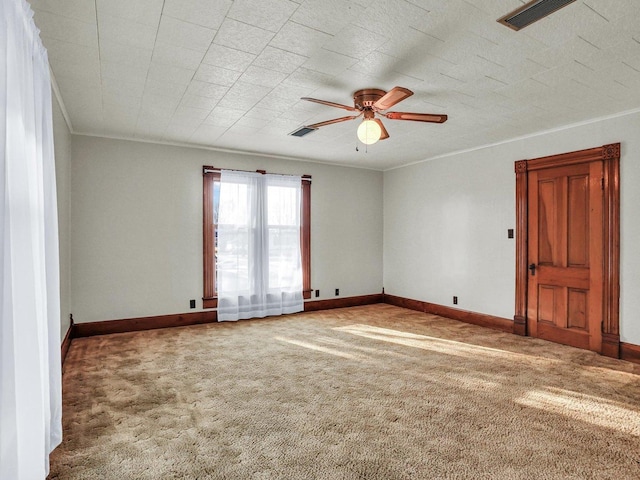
{"x":520,"y":325}
{"x":610,"y":345}
{"x":66,"y":342}
{"x":416,"y":305}
{"x":484,"y":320}
{"x":143,"y":323}
{"x":630,"y":352}
{"x":196,"y":318}
{"x":343,"y":302}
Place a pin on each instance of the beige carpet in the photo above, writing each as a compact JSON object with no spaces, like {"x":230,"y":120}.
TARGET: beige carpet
{"x":375,"y":392}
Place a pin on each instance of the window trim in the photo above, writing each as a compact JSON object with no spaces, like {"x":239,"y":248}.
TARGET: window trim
{"x":209,"y":298}
{"x":209,"y":176}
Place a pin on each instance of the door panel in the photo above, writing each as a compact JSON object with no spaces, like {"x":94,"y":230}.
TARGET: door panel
{"x":577,"y":312}
{"x":565,"y":244}
{"x":578,"y":339}
{"x":547,"y":304}
{"x":578,"y":221}
{"x":547,"y":211}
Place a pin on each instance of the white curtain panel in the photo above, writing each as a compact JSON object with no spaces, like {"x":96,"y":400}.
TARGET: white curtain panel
{"x":259,"y":264}
{"x":30,"y":373}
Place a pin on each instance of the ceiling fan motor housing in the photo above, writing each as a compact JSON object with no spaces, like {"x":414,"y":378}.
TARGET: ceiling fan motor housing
{"x":364,"y":99}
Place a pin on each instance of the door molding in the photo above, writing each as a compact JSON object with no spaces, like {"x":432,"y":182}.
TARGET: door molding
{"x":610,"y":156}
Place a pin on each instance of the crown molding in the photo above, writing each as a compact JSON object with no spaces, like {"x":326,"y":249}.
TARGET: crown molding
{"x":221,"y":150}
{"x":58,"y":95}
{"x":522,"y":137}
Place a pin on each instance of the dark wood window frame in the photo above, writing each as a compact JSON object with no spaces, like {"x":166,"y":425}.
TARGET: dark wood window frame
{"x":610,"y":156}
{"x":210,"y":175}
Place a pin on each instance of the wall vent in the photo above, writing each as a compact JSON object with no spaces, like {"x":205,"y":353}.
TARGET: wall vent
{"x":532,"y":12}
{"x":302,"y":131}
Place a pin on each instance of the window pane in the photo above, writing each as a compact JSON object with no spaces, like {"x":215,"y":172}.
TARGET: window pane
{"x":283,"y":212}
{"x":216,"y":208}
{"x":284,"y":256}
{"x":233,"y":259}
{"x":216,"y":201}
{"x":283,"y":206}
{"x":235,"y":209}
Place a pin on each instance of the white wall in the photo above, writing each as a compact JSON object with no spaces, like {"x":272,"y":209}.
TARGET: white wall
{"x":446,"y":221}
{"x":62,"y":144}
{"x":136,"y":240}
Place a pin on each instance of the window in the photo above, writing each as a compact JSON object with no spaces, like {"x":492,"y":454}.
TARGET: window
{"x":277,"y":227}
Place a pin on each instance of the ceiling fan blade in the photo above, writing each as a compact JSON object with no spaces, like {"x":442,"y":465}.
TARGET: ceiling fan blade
{"x":393,"y":96}
{"x":330,"y":104}
{"x":384,"y":135}
{"x":417,"y":117}
{"x":329,"y":122}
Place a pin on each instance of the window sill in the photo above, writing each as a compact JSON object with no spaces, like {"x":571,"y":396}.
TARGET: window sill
{"x":210,"y":302}
{"x":213,"y":302}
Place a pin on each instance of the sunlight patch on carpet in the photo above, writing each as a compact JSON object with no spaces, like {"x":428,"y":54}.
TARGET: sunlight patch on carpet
{"x":587,"y":408}
{"x":319,"y":348}
{"x":439,"y":345}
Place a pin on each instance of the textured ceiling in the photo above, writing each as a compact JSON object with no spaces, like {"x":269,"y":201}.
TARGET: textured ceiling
{"x":230,"y":74}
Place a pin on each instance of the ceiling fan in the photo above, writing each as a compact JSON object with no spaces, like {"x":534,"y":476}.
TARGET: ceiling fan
{"x":368,"y":103}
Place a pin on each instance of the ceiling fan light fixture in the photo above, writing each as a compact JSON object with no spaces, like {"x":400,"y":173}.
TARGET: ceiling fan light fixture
{"x":369,"y":132}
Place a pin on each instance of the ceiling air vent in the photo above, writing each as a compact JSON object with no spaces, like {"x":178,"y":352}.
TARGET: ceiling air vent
{"x":532,"y":12}
{"x":302,"y":131}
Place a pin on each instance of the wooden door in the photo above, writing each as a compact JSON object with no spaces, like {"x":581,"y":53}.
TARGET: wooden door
{"x":568,"y":226}
{"x":565,"y":257}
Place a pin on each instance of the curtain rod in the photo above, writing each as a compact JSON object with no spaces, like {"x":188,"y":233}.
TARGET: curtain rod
{"x":218,"y":170}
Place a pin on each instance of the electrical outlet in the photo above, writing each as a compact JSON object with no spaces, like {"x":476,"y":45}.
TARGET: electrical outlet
{"x":317,"y":293}
{"x":455,"y":300}
{"x":510,"y":233}
{"x":192,"y":304}
{"x":337,"y":292}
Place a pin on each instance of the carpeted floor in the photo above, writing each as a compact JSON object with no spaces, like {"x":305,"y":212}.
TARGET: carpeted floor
{"x":375,"y":392}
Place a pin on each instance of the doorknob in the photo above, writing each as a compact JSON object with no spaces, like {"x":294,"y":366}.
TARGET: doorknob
{"x":532,"y":267}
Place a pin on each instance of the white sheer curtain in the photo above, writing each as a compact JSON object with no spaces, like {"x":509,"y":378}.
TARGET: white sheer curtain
{"x":30,"y":374}
{"x":259,"y":265}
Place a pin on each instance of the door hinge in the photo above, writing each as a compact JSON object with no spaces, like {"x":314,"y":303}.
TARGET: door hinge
{"x":602,"y":183}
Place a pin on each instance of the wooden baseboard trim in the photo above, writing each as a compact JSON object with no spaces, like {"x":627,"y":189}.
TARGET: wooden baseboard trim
{"x":403,"y":302}
{"x":482,"y":319}
{"x":210,"y":316}
{"x":630,"y":352}
{"x":520,"y":325}
{"x":610,"y":345}
{"x":66,"y":343}
{"x":143,"y":323}
{"x":343,"y":302}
